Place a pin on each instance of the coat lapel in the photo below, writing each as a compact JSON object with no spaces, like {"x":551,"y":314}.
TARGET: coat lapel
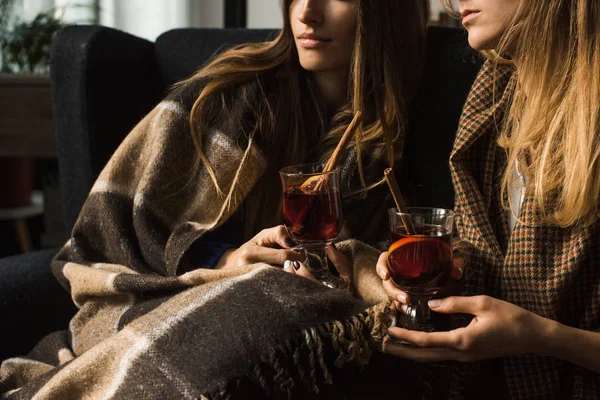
{"x":476,"y":158}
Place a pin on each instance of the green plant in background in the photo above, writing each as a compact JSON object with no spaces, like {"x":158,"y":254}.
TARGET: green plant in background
{"x":25,"y":45}
{"x":26,"y":48}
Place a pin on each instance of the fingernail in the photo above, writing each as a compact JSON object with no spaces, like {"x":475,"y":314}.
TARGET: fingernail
{"x":434,"y":303}
{"x":402,"y":298}
{"x":289,"y":242}
{"x":296,"y":265}
{"x":287,"y":264}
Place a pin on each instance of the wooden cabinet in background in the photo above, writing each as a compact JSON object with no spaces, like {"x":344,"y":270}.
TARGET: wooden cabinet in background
{"x":26,"y":128}
{"x":26,"y":135}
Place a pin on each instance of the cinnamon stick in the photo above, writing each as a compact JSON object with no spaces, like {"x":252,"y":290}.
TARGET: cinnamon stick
{"x":399,"y":200}
{"x":336,"y":156}
{"x":316,"y":182}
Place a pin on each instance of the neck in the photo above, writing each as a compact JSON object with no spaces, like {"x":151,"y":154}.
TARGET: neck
{"x":333,"y":87}
{"x":511,"y":50}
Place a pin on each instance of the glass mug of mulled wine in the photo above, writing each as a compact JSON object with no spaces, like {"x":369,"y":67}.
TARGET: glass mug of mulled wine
{"x":420,"y":259}
{"x":312,"y":213}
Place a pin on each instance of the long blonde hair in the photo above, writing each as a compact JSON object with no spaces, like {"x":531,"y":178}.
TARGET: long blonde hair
{"x":285,"y":109}
{"x":552,"y":129}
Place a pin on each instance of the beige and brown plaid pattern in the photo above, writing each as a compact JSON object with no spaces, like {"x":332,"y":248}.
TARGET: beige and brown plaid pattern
{"x":150,"y":325}
{"x":551,"y":271}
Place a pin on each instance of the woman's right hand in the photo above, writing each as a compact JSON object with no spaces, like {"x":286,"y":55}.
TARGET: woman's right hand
{"x":399,"y":296}
{"x":271,"y":246}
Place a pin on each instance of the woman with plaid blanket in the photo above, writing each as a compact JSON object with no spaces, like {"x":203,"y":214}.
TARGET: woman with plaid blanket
{"x":526,"y":168}
{"x":300,"y":92}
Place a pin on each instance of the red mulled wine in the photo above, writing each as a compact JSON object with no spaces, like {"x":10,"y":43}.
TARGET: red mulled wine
{"x":312,"y":216}
{"x":422,"y":260}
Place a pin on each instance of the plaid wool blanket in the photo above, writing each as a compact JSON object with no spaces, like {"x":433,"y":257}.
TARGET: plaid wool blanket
{"x":152,"y":325}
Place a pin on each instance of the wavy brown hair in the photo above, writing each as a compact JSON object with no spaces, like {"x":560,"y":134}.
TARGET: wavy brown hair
{"x":553,"y":126}
{"x":284,"y":108}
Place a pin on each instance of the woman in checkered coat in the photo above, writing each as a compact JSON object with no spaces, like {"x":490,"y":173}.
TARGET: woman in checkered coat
{"x":526,"y":172}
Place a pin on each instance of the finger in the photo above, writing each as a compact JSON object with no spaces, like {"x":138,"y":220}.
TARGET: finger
{"x":424,"y":355}
{"x":447,"y":340}
{"x":340,"y":262}
{"x":461,"y":304}
{"x":458,"y":267}
{"x":277,"y":235}
{"x":300,"y":269}
{"x":392,"y":290}
{"x":395,"y":293}
{"x":267,"y":255}
{"x":288,"y":266}
{"x":382,"y":268}
{"x":400,"y":307}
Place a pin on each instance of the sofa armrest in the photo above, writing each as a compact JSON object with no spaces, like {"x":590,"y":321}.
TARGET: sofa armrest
{"x":103,"y":82}
{"x":32,"y":302}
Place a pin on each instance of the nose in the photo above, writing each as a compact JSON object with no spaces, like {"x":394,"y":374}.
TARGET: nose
{"x":311,"y":13}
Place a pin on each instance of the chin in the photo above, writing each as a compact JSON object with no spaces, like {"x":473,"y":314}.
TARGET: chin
{"x":315,"y":65}
{"x":481,"y":42}
{"x":309,"y":66}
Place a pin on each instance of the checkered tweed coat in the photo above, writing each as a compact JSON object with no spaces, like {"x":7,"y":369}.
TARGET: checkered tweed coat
{"x":551,"y":271}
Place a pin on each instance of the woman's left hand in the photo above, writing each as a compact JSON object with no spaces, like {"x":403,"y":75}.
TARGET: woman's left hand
{"x":498,"y":329}
{"x":337,"y":258}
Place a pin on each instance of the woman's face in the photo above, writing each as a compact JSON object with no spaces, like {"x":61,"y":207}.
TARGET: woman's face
{"x":487,"y":21}
{"x":324,"y":32}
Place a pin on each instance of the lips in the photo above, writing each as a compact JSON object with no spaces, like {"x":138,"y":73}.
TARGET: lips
{"x":312,"y":41}
{"x":468,"y":15}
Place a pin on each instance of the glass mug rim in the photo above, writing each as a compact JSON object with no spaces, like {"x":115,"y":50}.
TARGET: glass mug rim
{"x":294,"y":170}
{"x":440,"y":211}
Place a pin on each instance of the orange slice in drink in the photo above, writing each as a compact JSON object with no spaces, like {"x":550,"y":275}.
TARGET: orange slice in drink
{"x":425,"y":240}
{"x":412,"y":239}
{"x":411,"y":256}
{"x":313,"y":184}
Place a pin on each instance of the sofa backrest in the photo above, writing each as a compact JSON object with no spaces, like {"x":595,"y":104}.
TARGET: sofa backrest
{"x":180,"y":52}
{"x":450,"y":69}
{"x":105,"y":81}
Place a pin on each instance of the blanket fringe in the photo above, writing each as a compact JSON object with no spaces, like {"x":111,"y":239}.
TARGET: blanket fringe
{"x":300,"y":365}
{"x":353,"y":339}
